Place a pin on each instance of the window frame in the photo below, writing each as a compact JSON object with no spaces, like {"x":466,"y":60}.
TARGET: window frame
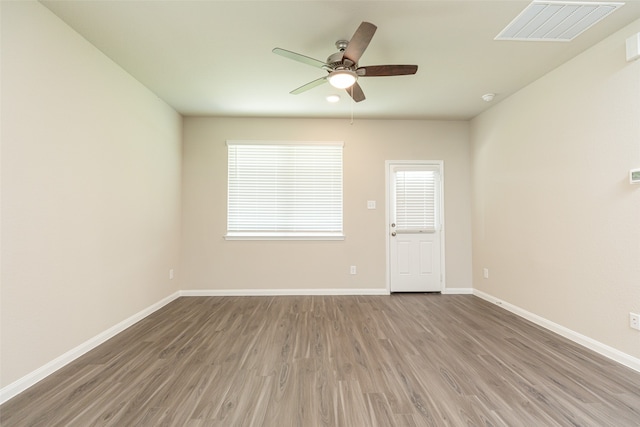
{"x":285,"y":235}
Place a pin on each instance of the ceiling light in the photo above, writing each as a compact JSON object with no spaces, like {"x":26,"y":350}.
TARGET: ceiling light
{"x":333,"y":98}
{"x":342,"y":79}
{"x":556,"y":20}
{"x":488,"y":97}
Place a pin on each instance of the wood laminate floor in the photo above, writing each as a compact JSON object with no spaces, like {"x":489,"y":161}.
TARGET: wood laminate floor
{"x":400,"y":360}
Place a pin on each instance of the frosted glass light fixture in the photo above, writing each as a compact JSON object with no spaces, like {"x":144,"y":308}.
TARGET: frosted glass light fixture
{"x":342,"y":79}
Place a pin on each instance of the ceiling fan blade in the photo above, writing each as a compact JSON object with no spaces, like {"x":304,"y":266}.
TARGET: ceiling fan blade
{"x":356,"y":92}
{"x":359,"y":42}
{"x":386,"y":70}
{"x":300,"y":58}
{"x":309,"y":85}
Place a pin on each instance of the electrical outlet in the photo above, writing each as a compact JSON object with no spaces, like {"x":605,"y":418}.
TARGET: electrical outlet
{"x":634,"y":321}
{"x":485,"y":273}
{"x":353,"y":269}
{"x":171,"y":273}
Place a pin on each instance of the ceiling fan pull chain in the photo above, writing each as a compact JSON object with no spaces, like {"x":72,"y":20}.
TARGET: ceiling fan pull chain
{"x":351,"y":103}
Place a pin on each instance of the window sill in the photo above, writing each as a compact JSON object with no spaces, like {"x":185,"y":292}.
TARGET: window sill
{"x":284,"y":236}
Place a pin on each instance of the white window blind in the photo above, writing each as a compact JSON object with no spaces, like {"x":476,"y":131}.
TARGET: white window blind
{"x":416,"y":200}
{"x":284,"y":190}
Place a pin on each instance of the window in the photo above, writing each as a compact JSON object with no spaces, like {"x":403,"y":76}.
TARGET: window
{"x":415,"y":192}
{"x":284,"y":190}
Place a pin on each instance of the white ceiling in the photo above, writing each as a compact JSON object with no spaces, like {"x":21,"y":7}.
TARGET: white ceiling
{"x":214,"y":57}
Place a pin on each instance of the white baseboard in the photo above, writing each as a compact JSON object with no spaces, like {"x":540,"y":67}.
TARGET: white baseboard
{"x":279,"y":292}
{"x":457,"y":291}
{"x":39,"y":374}
{"x":598,"y":347}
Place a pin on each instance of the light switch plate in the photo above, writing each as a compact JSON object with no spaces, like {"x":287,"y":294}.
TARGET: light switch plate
{"x":371,"y":204}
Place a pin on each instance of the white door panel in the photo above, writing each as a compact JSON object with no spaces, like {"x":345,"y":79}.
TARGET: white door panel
{"x":403,"y":253}
{"x":426,"y":258}
{"x":415,"y":227}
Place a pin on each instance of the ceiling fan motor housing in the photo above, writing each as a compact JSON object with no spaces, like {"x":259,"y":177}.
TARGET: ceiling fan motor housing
{"x":335,"y":60}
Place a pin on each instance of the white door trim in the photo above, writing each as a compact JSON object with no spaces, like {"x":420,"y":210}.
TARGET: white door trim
{"x":387,"y":181}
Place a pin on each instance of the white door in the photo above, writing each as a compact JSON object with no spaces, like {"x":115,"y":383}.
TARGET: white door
{"x":415,"y":227}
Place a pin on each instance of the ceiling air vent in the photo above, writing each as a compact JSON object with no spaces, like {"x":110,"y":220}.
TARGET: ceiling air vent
{"x":556,"y":20}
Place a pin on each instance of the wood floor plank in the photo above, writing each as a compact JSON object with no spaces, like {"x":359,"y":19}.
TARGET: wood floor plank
{"x":351,"y":409}
{"x":399,"y":360}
